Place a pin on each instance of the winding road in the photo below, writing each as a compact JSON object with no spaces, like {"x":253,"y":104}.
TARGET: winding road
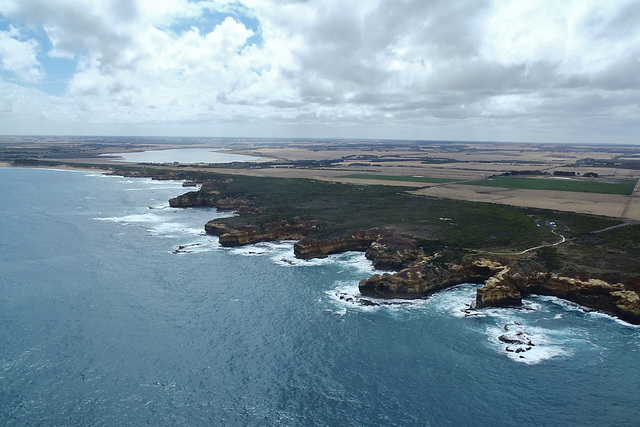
{"x":563,"y":239}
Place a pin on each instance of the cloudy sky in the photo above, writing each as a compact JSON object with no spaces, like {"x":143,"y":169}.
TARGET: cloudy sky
{"x":520,"y":70}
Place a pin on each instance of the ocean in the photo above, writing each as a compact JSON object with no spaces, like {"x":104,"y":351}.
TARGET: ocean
{"x":117,"y":310}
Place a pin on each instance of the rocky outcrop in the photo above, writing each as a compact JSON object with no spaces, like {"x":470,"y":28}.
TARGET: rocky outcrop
{"x":391,"y":252}
{"x":248,"y":234}
{"x":208,"y":198}
{"x":498,"y":295}
{"x":195,"y":199}
{"x":321,"y":248}
{"x":425,"y":278}
{"x":614,"y":298}
{"x":387,"y":251}
{"x":498,"y":292}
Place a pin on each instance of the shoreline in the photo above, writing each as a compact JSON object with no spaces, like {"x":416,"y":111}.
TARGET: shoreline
{"x":414,"y":276}
{"x":64,"y":167}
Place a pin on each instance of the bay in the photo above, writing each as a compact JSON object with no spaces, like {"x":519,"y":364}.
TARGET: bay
{"x":116,"y":309}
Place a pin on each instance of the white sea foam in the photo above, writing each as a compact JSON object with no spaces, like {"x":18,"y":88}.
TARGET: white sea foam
{"x":528,"y":344}
{"x":159,"y":222}
{"x":346,"y":295}
{"x":134,"y":218}
{"x":104,"y":175}
{"x":264,"y":248}
{"x":204,"y":244}
{"x":457,"y":301}
{"x":572,"y":306}
{"x":513,"y":331}
{"x":281,"y":253}
{"x":146,"y":188}
{"x":173,"y":229}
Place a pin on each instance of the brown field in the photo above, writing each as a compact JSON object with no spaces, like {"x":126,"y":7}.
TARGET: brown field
{"x":589,"y":203}
{"x":476,"y":161}
{"x":463,"y":161}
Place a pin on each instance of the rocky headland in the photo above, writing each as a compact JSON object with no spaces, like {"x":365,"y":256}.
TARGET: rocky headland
{"x":509,"y":286}
{"x":413,"y":272}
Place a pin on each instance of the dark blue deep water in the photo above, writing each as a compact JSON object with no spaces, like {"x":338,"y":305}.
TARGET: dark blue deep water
{"x":101,"y":323}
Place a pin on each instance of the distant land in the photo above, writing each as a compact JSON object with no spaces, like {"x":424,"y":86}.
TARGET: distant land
{"x":554,"y":219}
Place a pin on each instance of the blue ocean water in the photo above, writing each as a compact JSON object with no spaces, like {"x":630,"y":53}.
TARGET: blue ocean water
{"x":116,"y":309}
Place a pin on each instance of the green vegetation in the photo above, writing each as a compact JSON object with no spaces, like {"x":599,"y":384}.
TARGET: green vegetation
{"x":432,"y":222}
{"x":613,"y":254}
{"x":401,"y":178}
{"x":624,"y":187}
{"x":549,"y":258}
{"x":435,"y":224}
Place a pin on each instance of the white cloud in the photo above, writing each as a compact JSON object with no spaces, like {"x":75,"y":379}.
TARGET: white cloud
{"x":430,"y":69}
{"x":19,"y":57}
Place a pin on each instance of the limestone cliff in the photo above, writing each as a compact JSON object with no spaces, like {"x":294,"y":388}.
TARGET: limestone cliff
{"x":391,"y":252}
{"x":424,"y":278}
{"x":272,"y":231}
{"x":208,"y":198}
{"x":417,"y":276}
{"x":509,"y":287}
{"x":498,"y":292}
{"x":321,"y":248}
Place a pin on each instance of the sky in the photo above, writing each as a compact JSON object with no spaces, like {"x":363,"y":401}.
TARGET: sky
{"x":502,"y":70}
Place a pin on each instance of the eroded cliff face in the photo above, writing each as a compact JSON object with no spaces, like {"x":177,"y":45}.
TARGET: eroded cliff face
{"x":498,"y":291}
{"x":244,"y":235}
{"x":614,"y":298}
{"x":505,"y":284}
{"x":425,"y":278}
{"x":208,"y":198}
{"x":391,"y":252}
{"x":321,"y":248}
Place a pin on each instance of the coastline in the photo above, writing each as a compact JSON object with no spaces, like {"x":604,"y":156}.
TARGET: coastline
{"x":507,"y":278}
{"x":65,"y":167}
{"x":417,"y":275}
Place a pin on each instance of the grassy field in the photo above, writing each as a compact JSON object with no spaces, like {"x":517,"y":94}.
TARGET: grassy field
{"x":624,"y":187}
{"x":401,"y":178}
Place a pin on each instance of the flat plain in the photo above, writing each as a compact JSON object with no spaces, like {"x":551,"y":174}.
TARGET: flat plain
{"x":591,"y":179}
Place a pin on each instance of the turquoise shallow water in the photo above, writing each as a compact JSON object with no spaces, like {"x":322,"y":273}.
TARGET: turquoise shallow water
{"x":101,"y":323}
